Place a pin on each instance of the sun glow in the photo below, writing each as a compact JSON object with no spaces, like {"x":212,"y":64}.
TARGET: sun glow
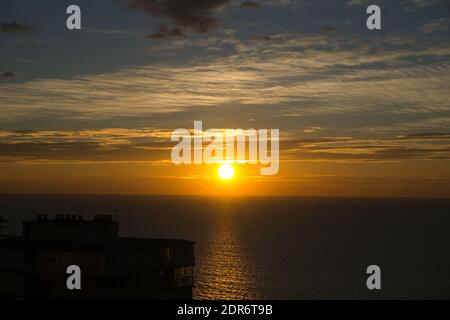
{"x":226,"y":172}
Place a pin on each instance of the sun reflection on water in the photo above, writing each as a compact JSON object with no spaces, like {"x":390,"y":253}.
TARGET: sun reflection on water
{"x":224,"y":272}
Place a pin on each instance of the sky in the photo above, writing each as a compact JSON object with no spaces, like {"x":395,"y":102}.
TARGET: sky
{"x":360,"y":112}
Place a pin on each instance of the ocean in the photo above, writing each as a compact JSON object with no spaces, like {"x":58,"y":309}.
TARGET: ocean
{"x":281,"y":247}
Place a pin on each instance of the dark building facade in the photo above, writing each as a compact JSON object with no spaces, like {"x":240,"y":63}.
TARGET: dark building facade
{"x":112,"y":267}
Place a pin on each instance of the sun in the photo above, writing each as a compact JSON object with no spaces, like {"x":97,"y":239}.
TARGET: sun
{"x":226,"y":172}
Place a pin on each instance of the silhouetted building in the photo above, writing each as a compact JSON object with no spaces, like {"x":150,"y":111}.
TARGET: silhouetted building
{"x":2,"y":223}
{"x":34,"y":265}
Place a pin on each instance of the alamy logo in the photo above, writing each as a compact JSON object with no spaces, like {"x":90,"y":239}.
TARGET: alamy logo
{"x":74,"y":280}
{"x":73,"y":22}
{"x":374,"y":20}
{"x":224,"y":146}
{"x":374,"y":280}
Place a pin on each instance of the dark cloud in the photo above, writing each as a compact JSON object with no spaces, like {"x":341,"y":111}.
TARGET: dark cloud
{"x":22,"y":133}
{"x":165,"y":33}
{"x":260,"y":38}
{"x":330,"y":29}
{"x":267,"y":38}
{"x":14,"y":27}
{"x":194,"y":14}
{"x":366,"y":153}
{"x":250,"y":4}
{"x":391,"y":149}
{"x":25,"y":131}
{"x":84,"y":151}
{"x":21,"y":145}
{"x":7,"y":75}
{"x":427,"y":136}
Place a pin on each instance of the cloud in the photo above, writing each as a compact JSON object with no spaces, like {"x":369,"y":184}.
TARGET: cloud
{"x":7,"y":75}
{"x":293,"y":75}
{"x":330,"y":29}
{"x":84,"y":152}
{"x":197,"y":14}
{"x":438,"y":123}
{"x":102,"y":145}
{"x":312,"y":129}
{"x":153,"y":145}
{"x":250,"y":5}
{"x":288,"y":3}
{"x":352,"y":3}
{"x":427,"y":136}
{"x":14,"y":27}
{"x":409,"y":5}
{"x":347,"y":149}
{"x":166,"y":33}
{"x":419,"y":4}
{"x":436,"y":25}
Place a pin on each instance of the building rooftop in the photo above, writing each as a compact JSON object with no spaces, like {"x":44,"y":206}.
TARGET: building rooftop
{"x":74,"y":233}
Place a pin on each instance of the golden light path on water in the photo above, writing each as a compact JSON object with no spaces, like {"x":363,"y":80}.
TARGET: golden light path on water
{"x":224,"y":271}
